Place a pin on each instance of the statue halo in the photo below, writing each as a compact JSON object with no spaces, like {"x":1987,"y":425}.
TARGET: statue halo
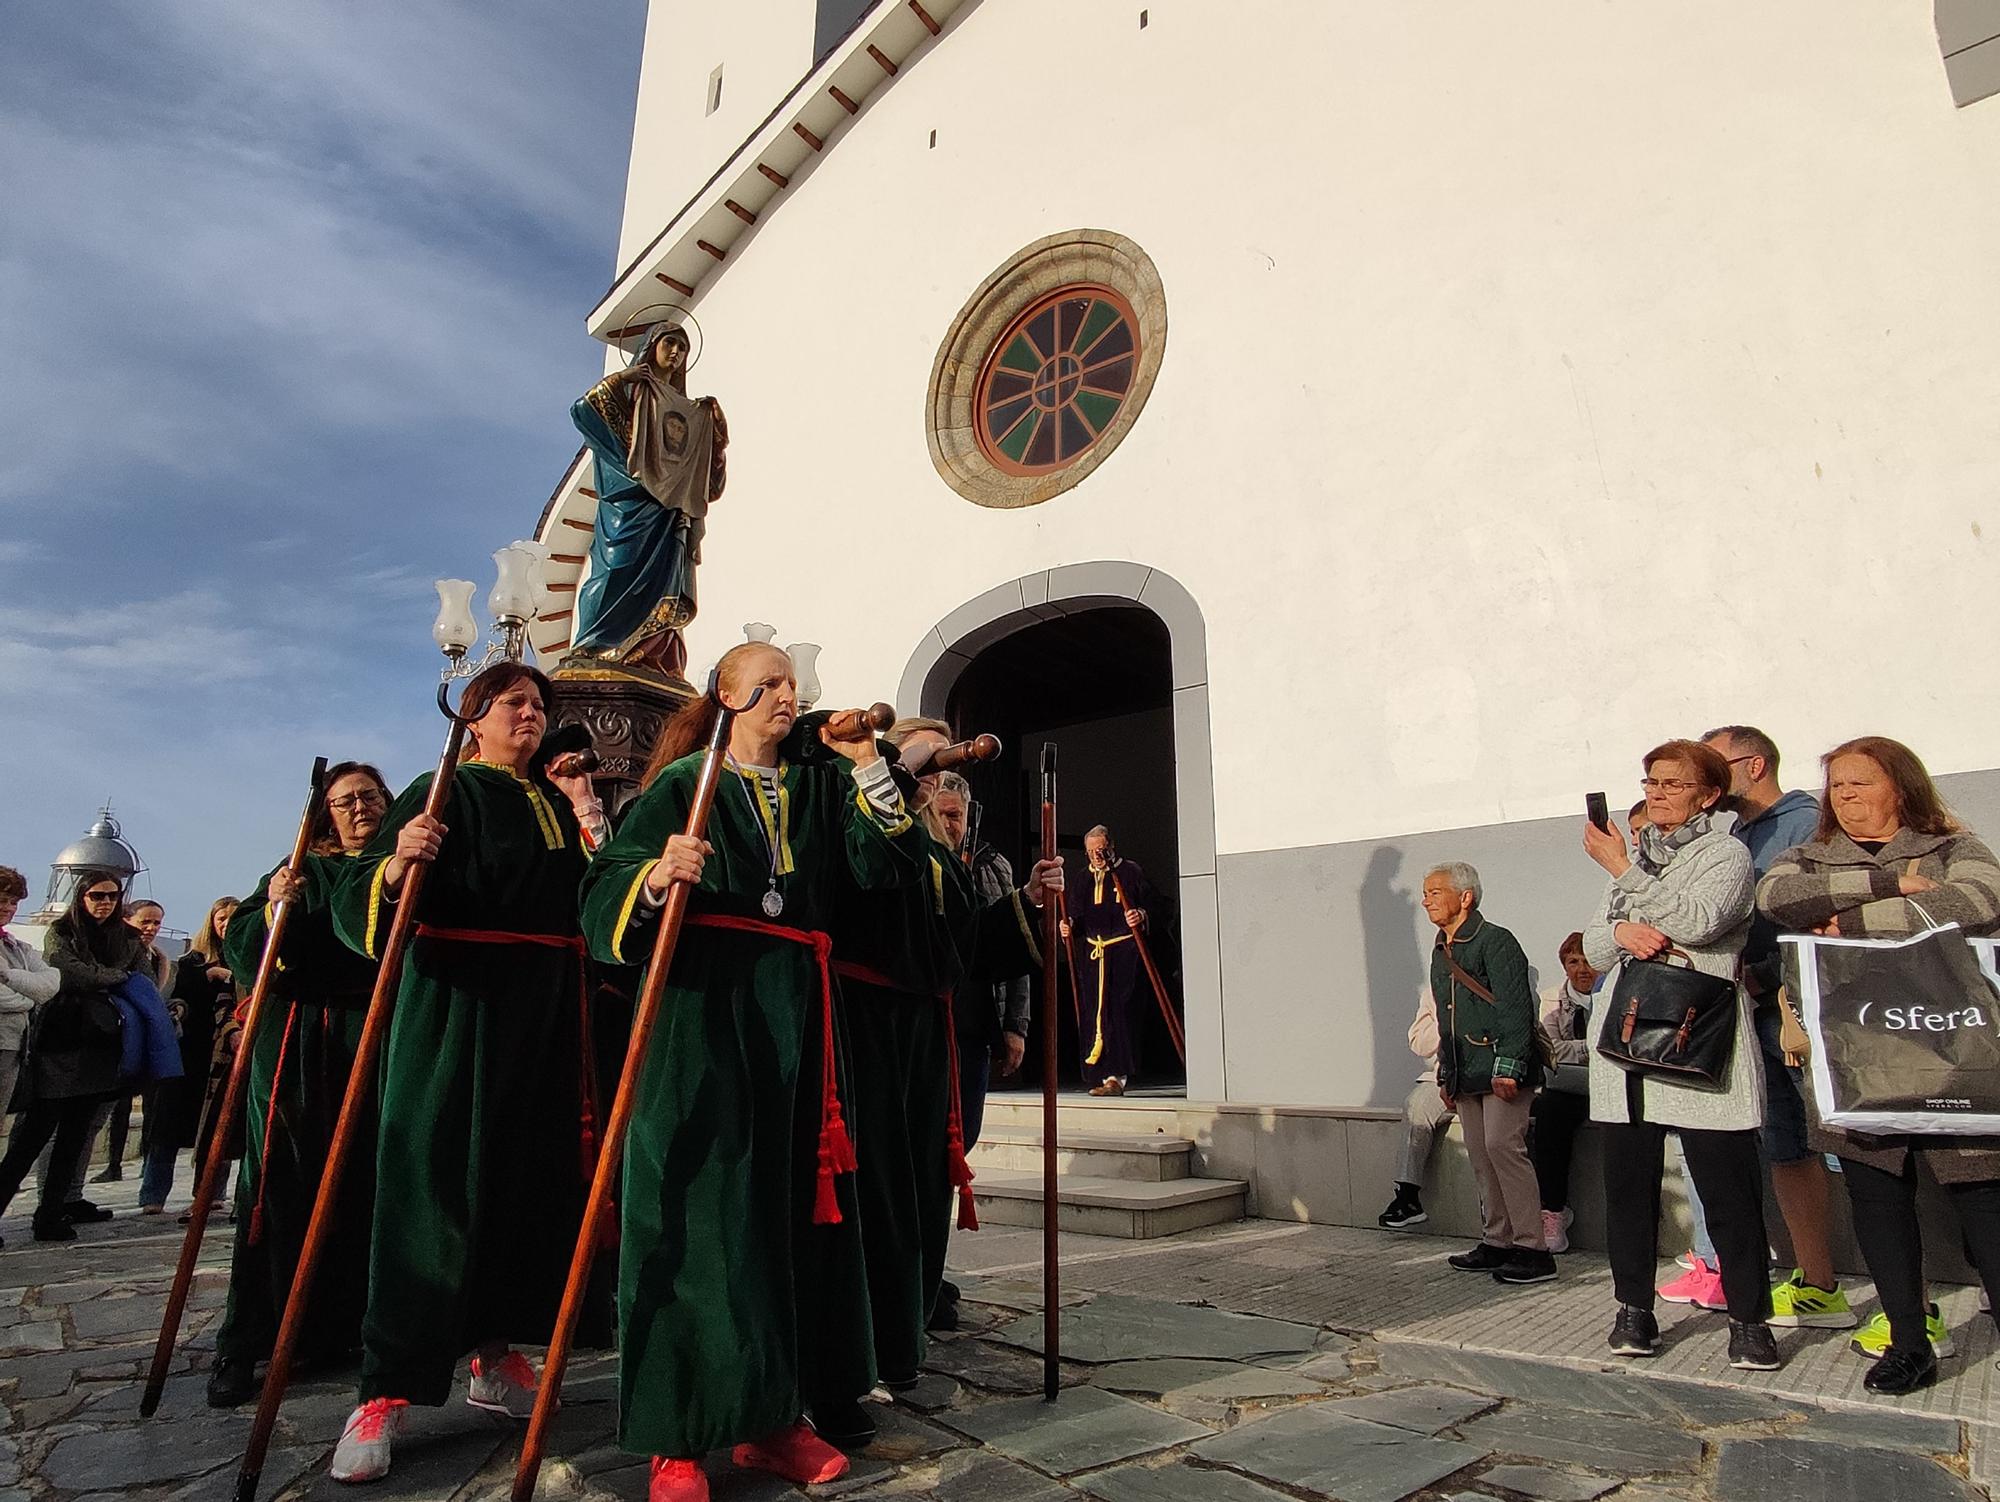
{"x":637,"y":336}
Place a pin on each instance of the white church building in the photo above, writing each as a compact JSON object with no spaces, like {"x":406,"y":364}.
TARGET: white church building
{"x":1352,"y":432}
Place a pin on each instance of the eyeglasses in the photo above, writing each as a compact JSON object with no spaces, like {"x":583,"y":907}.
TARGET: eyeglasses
{"x":368,"y":798}
{"x":1737,"y":761}
{"x":100,"y":896}
{"x":1666,"y":784}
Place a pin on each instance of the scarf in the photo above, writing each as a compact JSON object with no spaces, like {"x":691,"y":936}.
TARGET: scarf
{"x":1656,"y":853}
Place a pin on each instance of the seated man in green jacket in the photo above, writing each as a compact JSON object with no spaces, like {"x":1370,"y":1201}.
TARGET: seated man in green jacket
{"x":1488,"y":1068}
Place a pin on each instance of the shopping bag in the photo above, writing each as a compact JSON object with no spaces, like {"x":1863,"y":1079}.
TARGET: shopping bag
{"x":1905,"y":1032}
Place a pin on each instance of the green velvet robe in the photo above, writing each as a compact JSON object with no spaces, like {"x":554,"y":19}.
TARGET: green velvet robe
{"x":925,"y":939}
{"x":299,"y":1065}
{"x":736,"y":1310}
{"x":482,"y":1166}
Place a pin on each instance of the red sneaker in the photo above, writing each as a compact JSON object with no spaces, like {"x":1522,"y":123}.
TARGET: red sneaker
{"x":677,"y":1481}
{"x":797,"y":1454}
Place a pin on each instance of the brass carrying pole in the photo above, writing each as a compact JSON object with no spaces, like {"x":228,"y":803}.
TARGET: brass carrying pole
{"x":210,"y":1182}
{"x":1174,"y":1033}
{"x":360,"y":1085}
{"x":1051,"y":1000}
{"x":644,"y":1017}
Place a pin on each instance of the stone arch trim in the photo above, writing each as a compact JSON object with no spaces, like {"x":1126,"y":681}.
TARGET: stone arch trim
{"x":949,"y":647}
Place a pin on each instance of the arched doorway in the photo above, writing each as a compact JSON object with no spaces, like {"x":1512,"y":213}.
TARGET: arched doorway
{"x":1108,"y":660}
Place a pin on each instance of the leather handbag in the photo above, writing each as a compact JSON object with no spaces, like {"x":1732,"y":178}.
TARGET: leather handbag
{"x":1671,"y":1022}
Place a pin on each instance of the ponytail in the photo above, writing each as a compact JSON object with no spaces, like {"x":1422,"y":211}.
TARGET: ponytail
{"x":688,"y":731}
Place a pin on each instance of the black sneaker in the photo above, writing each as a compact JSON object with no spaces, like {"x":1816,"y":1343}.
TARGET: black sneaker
{"x":1635,"y":1332}
{"x":1527,"y":1266}
{"x":1482,"y":1259}
{"x":84,"y":1213}
{"x":112,"y":1175}
{"x":1902,"y":1371}
{"x":845,"y":1426}
{"x":1752,"y":1348}
{"x":232,"y":1383}
{"x":948,"y":1291}
{"x":54,"y":1229}
{"x":944,"y":1317}
{"x":1404,"y":1211}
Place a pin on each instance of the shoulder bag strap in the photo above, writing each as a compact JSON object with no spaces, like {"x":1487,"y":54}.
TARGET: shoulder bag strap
{"x":1464,"y":979}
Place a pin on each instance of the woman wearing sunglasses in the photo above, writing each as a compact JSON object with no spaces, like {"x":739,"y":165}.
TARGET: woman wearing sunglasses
{"x":73,"y":1046}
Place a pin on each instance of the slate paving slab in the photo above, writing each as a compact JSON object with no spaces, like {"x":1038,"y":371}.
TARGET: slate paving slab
{"x":1179,"y":1482}
{"x":1631,"y":1449}
{"x":1795,"y":1470}
{"x":139,"y":1455}
{"x":1912,"y":1433}
{"x":1422,"y":1409}
{"x":1185,"y":1377}
{"x":992,"y":1367}
{"x":1547,"y":1485}
{"x":29,"y":1337}
{"x":1310,"y":1448}
{"x":1118,"y":1327}
{"x":1085,"y":1428}
{"x":978,"y":1477}
{"x":903,"y":1437}
{"x":934,"y":1391}
{"x":117,"y":1319}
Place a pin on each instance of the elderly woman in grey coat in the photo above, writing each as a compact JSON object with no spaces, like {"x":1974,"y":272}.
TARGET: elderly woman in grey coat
{"x":1888,"y":861}
{"x":1688,"y":890}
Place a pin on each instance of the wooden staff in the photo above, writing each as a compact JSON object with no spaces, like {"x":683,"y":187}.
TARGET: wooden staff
{"x":1069,"y":952}
{"x":1051,"y":936}
{"x":644,"y":1016}
{"x":210,"y":1183}
{"x":360,"y":1082}
{"x":963,"y":754}
{"x":1152,"y":971}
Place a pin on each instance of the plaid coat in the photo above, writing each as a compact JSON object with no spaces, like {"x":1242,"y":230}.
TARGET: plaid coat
{"x":1808,"y":886}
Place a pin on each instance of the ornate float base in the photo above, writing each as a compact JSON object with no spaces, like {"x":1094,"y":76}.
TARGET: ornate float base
{"x":624,"y":712}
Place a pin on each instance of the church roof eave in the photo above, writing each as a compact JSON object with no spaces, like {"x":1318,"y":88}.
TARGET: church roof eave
{"x":695,"y":245}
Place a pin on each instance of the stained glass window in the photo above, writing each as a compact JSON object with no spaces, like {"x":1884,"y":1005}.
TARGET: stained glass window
{"x":1056,"y":379}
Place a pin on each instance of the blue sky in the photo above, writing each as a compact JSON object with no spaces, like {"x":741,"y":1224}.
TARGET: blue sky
{"x":293,"y":298}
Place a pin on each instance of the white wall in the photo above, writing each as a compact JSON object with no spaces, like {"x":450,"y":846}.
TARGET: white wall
{"x":1541,"y":380}
{"x":763,"y":48}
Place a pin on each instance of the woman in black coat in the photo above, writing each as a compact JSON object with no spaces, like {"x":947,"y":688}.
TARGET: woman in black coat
{"x":73,"y":1045}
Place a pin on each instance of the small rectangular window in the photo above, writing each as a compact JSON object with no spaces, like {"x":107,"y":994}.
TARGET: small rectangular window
{"x":933,"y":140}
{"x":1142,"y":20}
{"x":714,"y":91}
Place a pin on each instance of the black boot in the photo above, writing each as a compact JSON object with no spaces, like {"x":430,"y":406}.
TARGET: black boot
{"x":845,"y":1426}
{"x":233,"y":1382}
{"x":54,"y":1228}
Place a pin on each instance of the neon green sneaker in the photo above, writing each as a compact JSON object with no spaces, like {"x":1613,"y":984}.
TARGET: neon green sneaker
{"x":1797,"y":1303}
{"x":1872,"y":1339}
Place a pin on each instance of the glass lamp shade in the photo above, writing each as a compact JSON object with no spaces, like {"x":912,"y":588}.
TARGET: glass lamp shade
{"x":454,"y":630}
{"x":519,"y":584}
{"x":758,"y":631}
{"x":805,"y":668}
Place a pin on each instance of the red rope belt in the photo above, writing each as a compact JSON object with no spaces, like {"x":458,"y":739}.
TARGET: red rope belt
{"x":956,"y":1167}
{"x":587,"y":1065}
{"x":836,"y":1148}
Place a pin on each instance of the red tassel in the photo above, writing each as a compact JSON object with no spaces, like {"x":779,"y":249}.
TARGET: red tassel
{"x":837,"y":1143}
{"x":826,"y":1209}
{"x":968,"y":1218}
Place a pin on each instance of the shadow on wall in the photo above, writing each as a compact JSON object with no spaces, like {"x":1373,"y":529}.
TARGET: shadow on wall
{"x":1394,"y":967}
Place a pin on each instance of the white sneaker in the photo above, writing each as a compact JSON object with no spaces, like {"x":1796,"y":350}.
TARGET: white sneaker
{"x":1555,"y":1229}
{"x":363,"y":1451}
{"x":507,"y":1388}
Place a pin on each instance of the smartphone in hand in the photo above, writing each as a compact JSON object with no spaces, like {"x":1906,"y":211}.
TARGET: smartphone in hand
{"x":1594,"y":810}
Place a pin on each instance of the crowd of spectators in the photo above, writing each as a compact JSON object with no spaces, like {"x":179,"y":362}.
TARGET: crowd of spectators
{"x":1876,"y":855}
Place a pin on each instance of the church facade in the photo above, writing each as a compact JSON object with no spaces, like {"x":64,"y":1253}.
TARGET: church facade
{"x":1353,"y":433}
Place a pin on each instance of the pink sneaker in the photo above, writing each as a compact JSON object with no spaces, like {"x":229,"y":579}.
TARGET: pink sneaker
{"x":1700,"y":1285}
{"x":796,"y":1453}
{"x":1555,"y":1230}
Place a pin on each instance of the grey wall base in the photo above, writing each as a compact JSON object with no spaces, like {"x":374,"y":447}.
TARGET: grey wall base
{"x":1325,"y":948}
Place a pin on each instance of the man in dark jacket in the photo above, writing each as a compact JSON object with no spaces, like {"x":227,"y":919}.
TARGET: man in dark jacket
{"x":1488,"y":1068}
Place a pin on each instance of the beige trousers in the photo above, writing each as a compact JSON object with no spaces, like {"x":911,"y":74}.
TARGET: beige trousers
{"x":1496,"y":1139}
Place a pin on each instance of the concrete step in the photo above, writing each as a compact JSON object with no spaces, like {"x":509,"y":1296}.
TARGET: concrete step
{"x":1155,"y":1158}
{"x":1128,"y":1208}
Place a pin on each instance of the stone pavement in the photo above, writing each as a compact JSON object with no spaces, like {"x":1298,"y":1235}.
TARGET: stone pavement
{"x":1247,"y":1363}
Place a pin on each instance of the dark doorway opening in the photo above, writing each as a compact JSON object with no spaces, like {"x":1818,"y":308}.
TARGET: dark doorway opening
{"x":1098,"y":682}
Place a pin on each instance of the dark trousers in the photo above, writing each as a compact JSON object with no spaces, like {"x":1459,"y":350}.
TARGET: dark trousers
{"x":120,"y":1127}
{"x":975,"y":1060}
{"x":68,"y":1122}
{"x":1730,"y":1177}
{"x":1885,"y":1225}
{"x":1558,"y":1117}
